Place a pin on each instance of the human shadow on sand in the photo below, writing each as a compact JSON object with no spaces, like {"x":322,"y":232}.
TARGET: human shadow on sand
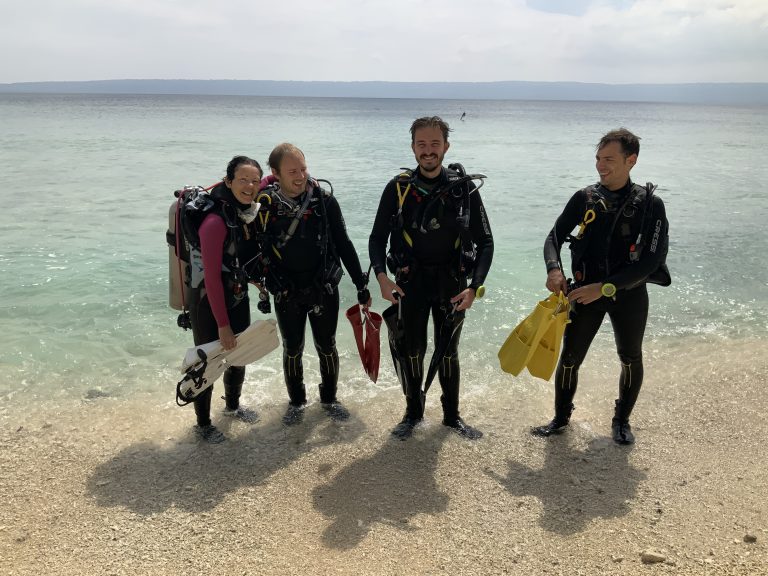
{"x":148,"y":478}
{"x":576,"y":486}
{"x":391,"y":487}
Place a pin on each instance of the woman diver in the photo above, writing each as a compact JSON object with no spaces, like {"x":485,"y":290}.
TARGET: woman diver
{"x":221,"y":234}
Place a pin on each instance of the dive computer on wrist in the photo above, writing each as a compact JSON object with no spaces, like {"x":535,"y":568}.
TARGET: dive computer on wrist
{"x":608,"y":290}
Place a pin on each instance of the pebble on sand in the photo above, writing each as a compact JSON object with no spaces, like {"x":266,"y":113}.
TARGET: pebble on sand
{"x":652,"y":557}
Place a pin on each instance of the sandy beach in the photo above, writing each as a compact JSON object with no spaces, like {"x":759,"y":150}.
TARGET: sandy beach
{"x":121,"y":485}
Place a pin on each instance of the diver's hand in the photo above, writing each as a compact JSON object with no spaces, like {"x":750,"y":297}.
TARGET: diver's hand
{"x":463,"y":300}
{"x":586,"y":294}
{"x":388,"y":288}
{"x":227,"y":338}
{"x":364,"y":297}
{"x":556,"y":281}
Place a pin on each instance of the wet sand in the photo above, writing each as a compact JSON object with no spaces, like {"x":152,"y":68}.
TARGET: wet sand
{"x":122,"y":486}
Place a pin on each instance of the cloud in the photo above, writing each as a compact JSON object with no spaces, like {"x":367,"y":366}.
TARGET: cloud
{"x":399,"y":40}
{"x":575,"y":7}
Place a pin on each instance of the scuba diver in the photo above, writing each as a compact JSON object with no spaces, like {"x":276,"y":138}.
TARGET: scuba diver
{"x":439,"y":236}
{"x":620,"y":246}
{"x":218,"y":226}
{"x":303,"y":241}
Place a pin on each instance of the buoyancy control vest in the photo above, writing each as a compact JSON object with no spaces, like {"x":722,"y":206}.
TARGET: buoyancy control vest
{"x":295,"y":247}
{"x":186,"y":215}
{"x":613,"y":233}
{"x":419,"y":211}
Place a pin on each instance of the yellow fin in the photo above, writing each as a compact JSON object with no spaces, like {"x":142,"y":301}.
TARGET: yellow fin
{"x":543,"y":361}
{"x":521,"y":344}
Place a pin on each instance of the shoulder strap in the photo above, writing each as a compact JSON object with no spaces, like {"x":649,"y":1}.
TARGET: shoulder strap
{"x":649,"y":189}
{"x":285,"y":238}
{"x":589,"y":214}
{"x":194,"y":207}
{"x":404,"y":178}
{"x":264,"y":200}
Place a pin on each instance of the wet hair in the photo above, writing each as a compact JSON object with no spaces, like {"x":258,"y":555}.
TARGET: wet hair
{"x":281,"y":151}
{"x":238,"y":161}
{"x":429,"y":122}
{"x":630,"y":144}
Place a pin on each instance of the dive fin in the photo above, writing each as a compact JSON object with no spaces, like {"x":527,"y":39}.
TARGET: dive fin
{"x":356,"y":319}
{"x":202,"y":365}
{"x":521,"y":344}
{"x":448,"y":330}
{"x":373,"y":322}
{"x":392,"y":317}
{"x":546,"y":352}
{"x":365,"y":326}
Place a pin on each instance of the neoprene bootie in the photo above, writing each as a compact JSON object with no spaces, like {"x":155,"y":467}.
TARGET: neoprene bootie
{"x":557,"y":425}
{"x":404,"y":429}
{"x":463,"y":429}
{"x":620,"y":428}
{"x":622,"y":432}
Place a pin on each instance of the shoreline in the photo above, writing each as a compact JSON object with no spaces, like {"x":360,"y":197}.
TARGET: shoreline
{"x":152,"y":381}
{"x":121,"y":486}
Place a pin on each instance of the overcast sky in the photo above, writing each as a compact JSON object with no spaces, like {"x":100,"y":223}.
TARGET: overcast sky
{"x":613,"y":41}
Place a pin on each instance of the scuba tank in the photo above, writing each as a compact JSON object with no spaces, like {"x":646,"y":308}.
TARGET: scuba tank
{"x":177,"y":268}
{"x":185,"y":268}
{"x":178,"y":251}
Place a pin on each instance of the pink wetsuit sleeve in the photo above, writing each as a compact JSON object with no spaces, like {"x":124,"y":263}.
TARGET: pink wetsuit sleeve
{"x":213,"y":233}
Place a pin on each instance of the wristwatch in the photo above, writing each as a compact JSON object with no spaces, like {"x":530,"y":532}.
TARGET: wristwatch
{"x":608,"y":290}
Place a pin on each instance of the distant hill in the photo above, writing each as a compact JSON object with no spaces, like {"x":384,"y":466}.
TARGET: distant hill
{"x":705,"y":93}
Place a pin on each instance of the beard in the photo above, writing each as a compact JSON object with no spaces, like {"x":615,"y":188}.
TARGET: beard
{"x":430,"y":162}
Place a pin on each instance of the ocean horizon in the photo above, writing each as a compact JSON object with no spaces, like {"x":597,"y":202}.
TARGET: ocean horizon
{"x":723,"y":93}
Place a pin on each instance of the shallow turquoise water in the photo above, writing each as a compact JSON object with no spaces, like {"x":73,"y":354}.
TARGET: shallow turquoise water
{"x":87,"y":182}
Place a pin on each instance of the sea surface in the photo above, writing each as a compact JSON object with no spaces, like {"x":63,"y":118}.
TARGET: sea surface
{"x":87,"y":181}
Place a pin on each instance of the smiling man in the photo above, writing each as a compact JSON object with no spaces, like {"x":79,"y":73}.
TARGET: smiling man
{"x":439,"y":238}
{"x":620,"y":245}
{"x":304,"y":241}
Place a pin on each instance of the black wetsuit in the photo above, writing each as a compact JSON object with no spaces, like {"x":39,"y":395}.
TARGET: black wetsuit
{"x":302,"y":273}
{"x":608,"y":253}
{"x":433,"y":274}
{"x":205,"y":327}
